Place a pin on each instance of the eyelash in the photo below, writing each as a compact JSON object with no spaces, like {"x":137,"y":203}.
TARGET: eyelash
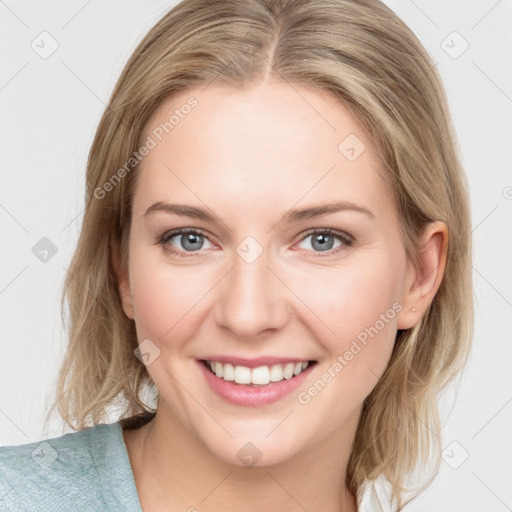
{"x":343,"y":237}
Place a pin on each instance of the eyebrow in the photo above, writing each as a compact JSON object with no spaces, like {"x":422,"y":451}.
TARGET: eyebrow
{"x":290,"y":216}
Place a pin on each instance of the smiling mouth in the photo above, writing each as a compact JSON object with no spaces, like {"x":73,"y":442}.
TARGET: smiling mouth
{"x":260,"y":376}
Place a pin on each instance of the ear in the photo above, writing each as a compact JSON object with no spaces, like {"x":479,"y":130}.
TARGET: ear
{"x":424,"y":278}
{"x":122,"y":277}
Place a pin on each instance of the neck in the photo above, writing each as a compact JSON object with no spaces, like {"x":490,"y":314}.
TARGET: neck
{"x":173,"y":468}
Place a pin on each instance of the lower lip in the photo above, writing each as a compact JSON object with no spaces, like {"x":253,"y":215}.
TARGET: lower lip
{"x":253,"y":396}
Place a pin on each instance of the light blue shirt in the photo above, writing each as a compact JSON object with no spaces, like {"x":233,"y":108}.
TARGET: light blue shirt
{"x":88,"y":470}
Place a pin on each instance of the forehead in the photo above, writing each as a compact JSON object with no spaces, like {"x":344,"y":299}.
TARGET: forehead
{"x":274,"y":143}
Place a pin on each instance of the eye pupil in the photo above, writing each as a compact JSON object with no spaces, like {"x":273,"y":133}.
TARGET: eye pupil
{"x":189,"y":241}
{"x":324,"y":241}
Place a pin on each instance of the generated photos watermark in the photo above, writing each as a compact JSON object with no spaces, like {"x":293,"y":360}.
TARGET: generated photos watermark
{"x":152,"y":140}
{"x":356,"y":346}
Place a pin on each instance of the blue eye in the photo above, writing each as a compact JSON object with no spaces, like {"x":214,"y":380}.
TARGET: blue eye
{"x":192,"y":241}
{"x":323,"y":240}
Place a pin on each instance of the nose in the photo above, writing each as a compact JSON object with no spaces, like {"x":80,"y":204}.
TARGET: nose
{"x":253,"y":300}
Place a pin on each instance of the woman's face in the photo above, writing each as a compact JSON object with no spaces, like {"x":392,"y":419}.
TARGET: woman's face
{"x":252,"y":281}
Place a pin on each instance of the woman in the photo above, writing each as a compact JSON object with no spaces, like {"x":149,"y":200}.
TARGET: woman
{"x":276,"y":241}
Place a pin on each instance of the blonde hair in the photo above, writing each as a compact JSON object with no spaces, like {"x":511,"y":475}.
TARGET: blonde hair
{"x":363,"y":54}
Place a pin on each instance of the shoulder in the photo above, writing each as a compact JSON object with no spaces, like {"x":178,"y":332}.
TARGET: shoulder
{"x":55,"y":474}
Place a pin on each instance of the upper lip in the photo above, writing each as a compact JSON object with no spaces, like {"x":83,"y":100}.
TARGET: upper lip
{"x":254,"y":362}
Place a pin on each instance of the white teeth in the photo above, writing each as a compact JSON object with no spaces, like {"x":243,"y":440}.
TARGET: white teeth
{"x":242,"y":375}
{"x":288,"y":371}
{"x":229,"y":372}
{"x":276,"y":373}
{"x":260,"y":376}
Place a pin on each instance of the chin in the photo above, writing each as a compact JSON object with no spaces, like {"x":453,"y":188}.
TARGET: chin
{"x":251,"y":454}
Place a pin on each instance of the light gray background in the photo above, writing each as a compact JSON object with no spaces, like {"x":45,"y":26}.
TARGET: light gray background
{"x":50,"y":108}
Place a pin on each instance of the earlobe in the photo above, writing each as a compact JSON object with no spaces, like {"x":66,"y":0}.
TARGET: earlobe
{"x":425,"y":277}
{"x":122,"y":278}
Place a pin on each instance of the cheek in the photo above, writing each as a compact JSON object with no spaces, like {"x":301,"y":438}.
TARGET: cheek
{"x":360,"y":307}
{"x":167,"y":299}
{"x":356,"y":305}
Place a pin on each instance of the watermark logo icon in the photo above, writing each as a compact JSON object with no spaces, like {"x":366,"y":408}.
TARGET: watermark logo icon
{"x":249,"y":249}
{"x":44,"y":250}
{"x":455,"y":455}
{"x":147,"y":352}
{"x":249,"y":454}
{"x":454,"y":45}
{"x":45,"y":455}
{"x":44,"y":45}
{"x":351,"y":147}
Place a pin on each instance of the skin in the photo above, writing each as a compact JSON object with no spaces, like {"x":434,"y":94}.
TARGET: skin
{"x":249,"y":156}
